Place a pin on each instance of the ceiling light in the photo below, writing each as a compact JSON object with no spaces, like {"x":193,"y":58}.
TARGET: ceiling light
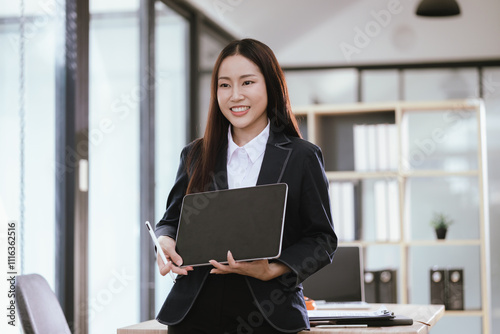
{"x":438,"y":8}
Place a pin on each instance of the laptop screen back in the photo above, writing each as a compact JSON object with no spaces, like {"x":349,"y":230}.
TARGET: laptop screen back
{"x":246,"y":221}
{"x":340,"y":281}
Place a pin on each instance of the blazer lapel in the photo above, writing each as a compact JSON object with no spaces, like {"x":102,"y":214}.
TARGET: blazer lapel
{"x":220,"y":176}
{"x":275,"y":158}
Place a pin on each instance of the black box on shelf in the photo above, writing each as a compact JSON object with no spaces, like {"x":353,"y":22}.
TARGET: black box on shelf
{"x":381,"y":286}
{"x":370,"y":286}
{"x":387,"y":286}
{"x":447,"y":287}
{"x":455,"y":289}
{"x":438,"y":286}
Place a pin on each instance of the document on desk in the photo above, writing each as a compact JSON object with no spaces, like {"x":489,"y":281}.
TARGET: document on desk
{"x":326,"y":315}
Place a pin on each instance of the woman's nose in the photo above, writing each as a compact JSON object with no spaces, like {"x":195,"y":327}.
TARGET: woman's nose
{"x":236,"y":94}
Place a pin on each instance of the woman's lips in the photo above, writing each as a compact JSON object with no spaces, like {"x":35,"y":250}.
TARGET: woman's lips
{"x":239,"y":110}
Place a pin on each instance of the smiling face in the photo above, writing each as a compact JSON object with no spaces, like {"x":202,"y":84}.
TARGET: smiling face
{"x":242,"y":97}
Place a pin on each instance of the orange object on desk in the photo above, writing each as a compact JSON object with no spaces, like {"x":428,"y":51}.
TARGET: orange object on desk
{"x":310,"y":304}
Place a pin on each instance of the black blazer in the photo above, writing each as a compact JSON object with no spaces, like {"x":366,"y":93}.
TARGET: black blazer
{"x":309,"y":240}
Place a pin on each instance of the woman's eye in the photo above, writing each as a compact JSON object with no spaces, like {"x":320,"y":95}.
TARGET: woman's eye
{"x":248,"y":83}
{"x":223,"y":85}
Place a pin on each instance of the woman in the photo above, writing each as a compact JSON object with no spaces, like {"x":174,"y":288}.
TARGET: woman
{"x":251,"y":138}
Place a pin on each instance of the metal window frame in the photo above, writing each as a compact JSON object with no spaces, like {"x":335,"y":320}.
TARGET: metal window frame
{"x":478,"y":65}
{"x":72,"y":114}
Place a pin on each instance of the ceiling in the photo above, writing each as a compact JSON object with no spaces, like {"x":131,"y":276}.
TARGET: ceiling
{"x":271,"y":20}
{"x":325,"y":32}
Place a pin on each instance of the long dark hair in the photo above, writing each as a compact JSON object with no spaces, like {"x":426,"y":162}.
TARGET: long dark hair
{"x":202,"y":158}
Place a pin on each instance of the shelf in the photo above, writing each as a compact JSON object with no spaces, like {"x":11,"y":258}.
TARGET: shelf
{"x":339,"y":109}
{"x":465,"y":313}
{"x":344,"y":109}
{"x":388,"y":194}
{"x":365,"y":243}
{"x":354,"y":175}
{"x":438,"y":173}
{"x":361,"y":175}
{"x":472,"y":242}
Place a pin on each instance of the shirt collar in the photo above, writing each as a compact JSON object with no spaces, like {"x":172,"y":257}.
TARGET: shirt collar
{"x":254,"y":148}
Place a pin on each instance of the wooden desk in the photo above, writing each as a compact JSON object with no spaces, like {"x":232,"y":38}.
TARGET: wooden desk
{"x":429,"y":314}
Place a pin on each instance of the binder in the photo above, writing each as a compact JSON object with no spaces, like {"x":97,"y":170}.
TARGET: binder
{"x":455,"y":289}
{"x":438,"y":286}
{"x":447,"y":287}
{"x":387,"y":286}
{"x":381,"y":286}
{"x":370,"y":286}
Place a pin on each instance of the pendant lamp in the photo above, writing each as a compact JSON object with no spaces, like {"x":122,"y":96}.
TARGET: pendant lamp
{"x":436,"y":8}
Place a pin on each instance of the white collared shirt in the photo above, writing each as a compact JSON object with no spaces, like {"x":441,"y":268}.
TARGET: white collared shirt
{"x":244,"y":163}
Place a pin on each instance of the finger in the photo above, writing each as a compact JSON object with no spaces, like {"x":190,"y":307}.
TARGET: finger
{"x":176,"y":258}
{"x":218,"y":267}
{"x":181,"y":271}
{"x":159,"y":260}
{"x":168,"y":246}
{"x":216,"y":264}
{"x":165,"y":268}
{"x":219,"y":271}
{"x":230,"y":259}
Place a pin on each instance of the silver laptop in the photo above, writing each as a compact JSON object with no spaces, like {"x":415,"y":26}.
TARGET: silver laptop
{"x":248,"y":222}
{"x":339,"y":284}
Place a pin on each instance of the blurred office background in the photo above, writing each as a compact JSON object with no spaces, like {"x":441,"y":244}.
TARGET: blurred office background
{"x":147,"y":98}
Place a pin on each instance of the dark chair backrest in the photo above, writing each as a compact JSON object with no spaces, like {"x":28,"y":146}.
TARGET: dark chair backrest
{"x":39,"y":309}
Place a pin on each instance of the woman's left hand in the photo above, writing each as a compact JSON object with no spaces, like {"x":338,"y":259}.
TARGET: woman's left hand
{"x":260,"y":269}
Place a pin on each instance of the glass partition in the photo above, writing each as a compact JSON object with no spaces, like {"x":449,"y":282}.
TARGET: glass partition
{"x":380,"y":85}
{"x":440,"y":84}
{"x":322,"y":87}
{"x":171,"y":110}
{"x":440,"y":140}
{"x":38,"y":135}
{"x":114,"y":97}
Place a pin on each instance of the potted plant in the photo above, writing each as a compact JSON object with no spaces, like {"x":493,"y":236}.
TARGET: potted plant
{"x":441,"y":222}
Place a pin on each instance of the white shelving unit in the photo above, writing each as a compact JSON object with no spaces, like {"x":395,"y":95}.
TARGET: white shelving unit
{"x":328,"y":126}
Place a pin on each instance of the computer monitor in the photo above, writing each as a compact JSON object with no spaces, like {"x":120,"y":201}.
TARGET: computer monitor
{"x":340,"y":281}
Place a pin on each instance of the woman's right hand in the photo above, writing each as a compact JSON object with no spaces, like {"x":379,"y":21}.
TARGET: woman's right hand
{"x":168,"y":247}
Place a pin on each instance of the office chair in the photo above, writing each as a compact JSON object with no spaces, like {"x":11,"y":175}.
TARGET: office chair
{"x":39,"y":309}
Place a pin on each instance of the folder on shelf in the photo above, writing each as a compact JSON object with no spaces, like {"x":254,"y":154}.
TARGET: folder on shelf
{"x":343,"y":209}
{"x":375,"y":147}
